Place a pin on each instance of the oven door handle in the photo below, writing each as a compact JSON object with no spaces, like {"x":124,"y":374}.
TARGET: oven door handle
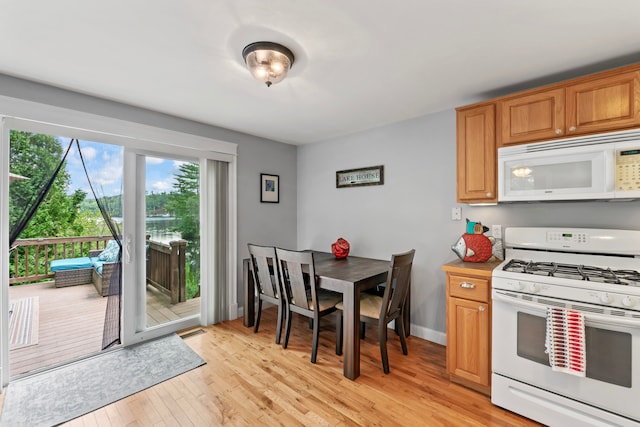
{"x":599,"y":318}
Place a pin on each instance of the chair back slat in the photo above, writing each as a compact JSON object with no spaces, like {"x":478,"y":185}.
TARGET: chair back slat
{"x":297,"y":274}
{"x":265,"y":270}
{"x":398,"y":282}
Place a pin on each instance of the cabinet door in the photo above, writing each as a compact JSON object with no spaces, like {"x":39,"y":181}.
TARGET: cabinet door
{"x":609,"y":103}
{"x":468,"y":348}
{"x":533,"y":117}
{"x":476,"y":155}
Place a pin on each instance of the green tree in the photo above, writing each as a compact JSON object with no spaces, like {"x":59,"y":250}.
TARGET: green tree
{"x":157,"y":204}
{"x":36,"y":156}
{"x":185,"y":202}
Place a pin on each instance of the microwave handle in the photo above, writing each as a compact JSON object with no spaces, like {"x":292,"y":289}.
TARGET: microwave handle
{"x":611,"y":170}
{"x":609,"y":320}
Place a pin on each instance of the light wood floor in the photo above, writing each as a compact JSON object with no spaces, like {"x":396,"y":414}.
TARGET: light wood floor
{"x":249,"y":381}
{"x":71,"y":320}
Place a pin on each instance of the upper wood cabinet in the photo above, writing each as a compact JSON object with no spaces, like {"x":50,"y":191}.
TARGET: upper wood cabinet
{"x":538,"y":116}
{"x":476,"y":154}
{"x":609,"y":103}
{"x":578,"y":107}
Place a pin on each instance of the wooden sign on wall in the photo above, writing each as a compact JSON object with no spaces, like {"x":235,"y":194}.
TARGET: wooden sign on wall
{"x":373,"y":175}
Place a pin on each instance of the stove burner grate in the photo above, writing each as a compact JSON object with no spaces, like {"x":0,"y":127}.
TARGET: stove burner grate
{"x":576,"y":272}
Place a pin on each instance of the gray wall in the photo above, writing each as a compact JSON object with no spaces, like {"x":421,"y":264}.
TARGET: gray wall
{"x":413,"y":207}
{"x":257,"y":222}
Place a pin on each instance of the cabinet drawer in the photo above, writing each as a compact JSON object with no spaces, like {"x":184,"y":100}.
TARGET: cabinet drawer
{"x":472,"y":288}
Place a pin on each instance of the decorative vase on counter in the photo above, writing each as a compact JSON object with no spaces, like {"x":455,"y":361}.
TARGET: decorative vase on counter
{"x":340,"y":248}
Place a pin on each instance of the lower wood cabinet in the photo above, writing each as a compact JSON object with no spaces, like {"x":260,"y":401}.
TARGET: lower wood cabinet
{"x":469,"y":323}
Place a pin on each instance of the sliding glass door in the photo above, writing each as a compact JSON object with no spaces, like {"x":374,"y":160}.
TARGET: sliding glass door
{"x":162,"y":240}
{"x":174,"y":231}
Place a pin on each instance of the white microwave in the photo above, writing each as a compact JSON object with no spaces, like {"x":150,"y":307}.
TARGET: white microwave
{"x":597,"y":167}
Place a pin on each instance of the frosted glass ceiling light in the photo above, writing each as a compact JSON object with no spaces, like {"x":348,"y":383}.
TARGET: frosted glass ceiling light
{"x":268,"y":62}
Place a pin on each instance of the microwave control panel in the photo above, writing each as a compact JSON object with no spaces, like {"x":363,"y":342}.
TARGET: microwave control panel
{"x":628,"y":170}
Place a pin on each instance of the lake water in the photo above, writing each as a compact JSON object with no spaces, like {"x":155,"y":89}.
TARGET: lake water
{"x":161,"y":229}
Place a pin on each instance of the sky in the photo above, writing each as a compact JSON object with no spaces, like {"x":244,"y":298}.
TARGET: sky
{"x":104,"y":164}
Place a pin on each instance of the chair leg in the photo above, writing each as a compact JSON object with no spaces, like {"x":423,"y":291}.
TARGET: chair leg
{"x":403,"y":334}
{"x":311,"y":323}
{"x":287,"y":329}
{"x":279,"y":325}
{"x":258,"y":315}
{"x":339,"y":333}
{"x":382,"y":336}
{"x":316,"y":336}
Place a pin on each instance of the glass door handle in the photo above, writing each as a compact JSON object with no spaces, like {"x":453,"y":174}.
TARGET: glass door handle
{"x":127,"y":249}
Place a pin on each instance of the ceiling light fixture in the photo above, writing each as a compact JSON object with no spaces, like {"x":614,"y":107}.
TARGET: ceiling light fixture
{"x":268,"y":62}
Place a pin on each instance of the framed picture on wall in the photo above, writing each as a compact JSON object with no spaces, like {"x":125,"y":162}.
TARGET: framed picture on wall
{"x":269,"y":188}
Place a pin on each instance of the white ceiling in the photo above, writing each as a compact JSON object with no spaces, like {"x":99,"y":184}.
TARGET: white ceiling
{"x":359,"y":64}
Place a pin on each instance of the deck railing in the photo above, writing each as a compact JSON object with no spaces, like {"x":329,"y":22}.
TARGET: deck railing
{"x":166,"y":269}
{"x":31,"y":257}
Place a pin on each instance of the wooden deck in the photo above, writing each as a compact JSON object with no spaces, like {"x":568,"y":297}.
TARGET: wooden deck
{"x":160,"y":310}
{"x":71,"y":321}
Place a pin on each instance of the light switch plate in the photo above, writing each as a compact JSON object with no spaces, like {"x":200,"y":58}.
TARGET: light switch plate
{"x":496,"y":231}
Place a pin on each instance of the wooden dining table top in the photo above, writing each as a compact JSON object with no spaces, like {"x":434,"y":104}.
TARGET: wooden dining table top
{"x":351,"y":269}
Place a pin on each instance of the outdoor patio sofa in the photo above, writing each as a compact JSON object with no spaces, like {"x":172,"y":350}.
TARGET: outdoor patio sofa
{"x":96,"y":268}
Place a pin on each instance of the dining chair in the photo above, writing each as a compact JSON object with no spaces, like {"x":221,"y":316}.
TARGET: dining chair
{"x":298,"y":278}
{"x":267,"y":282}
{"x":384,"y":309}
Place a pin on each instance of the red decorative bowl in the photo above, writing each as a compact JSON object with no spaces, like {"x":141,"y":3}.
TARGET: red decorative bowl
{"x":340,"y":248}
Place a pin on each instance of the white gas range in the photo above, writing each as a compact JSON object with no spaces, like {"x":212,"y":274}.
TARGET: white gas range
{"x":593,"y":274}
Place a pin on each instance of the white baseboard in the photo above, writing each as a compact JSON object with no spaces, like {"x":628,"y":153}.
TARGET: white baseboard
{"x":417,"y":331}
{"x":233,"y":311}
{"x":429,"y":334}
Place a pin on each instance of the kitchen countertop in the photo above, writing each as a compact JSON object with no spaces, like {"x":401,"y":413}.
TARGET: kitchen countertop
{"x":482,"y":269}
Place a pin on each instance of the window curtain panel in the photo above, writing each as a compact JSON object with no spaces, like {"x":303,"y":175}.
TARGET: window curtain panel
{"x":109,"y":208}
{"x":220,"y":249}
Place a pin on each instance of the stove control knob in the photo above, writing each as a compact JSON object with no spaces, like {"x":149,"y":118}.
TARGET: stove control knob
{"x":518,"y":286}
{"x":628,"y":301}
{"x":534,"y":287}
{"x":605,"y":298}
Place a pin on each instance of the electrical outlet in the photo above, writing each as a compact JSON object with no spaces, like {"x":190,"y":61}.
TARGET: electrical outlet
{"x":496,"y":231}
{"x":456,"y":214}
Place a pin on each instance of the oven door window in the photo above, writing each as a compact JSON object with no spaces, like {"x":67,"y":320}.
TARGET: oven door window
{"x":608,"y":352}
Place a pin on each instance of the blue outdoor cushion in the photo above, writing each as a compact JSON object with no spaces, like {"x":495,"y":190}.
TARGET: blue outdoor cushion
{"x":110,"y":253}
{"x":97,"y":264}
{"x":70,"y":264}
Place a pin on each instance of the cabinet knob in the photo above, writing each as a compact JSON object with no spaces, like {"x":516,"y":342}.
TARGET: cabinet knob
{"x":467,"y":285}
{"x":481,"y":308}
{"x":558,"y":131}
{"x":489,"y":194}
{"x":572,"y":128}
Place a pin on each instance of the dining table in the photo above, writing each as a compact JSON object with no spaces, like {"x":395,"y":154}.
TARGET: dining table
{"x":348,"y":276}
